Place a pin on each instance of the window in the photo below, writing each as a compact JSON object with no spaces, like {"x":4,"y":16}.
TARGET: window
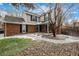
{"x":42,"y":18}
{"x":46,"y":17}
{"x":27,"y":17}
{"x":33,"y":18}
{"x":38,"y":19}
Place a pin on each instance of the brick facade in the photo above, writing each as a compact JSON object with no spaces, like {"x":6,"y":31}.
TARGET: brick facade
{"x":43,"y":28}
{"x":12,"y":29}
{"x":31,"y":28}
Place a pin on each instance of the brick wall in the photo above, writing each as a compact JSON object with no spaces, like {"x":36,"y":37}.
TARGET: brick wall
{"x":31,"y":28}
{"x":43,"y":28}
{"x":12,"y":29}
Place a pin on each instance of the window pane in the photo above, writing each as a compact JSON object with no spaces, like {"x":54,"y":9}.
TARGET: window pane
{"x":34,"y":18}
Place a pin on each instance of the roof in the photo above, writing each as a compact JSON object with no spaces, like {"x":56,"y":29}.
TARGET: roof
{"x":30,"y":13}
{"x":13,"y":19}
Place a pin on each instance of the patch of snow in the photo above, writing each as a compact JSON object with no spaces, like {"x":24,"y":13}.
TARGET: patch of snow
{"x":38,"y":36}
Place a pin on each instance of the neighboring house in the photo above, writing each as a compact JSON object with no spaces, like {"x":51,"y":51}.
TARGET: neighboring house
{"x":76,"y":24}
{"x":71,"y":29}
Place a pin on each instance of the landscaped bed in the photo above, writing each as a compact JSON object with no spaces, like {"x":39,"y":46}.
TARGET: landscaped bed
{"x":25,"y":47}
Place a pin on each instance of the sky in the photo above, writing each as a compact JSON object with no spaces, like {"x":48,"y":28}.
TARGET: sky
{"x":44,"y":6}
{"x":8,"y":7}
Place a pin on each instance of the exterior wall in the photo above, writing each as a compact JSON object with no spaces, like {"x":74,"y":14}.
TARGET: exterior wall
{"x":0,"y":25}
{"x":76,"y":24}
{"x":43,"y":28}
{"x":27,"y":18}
{"x":31,"y":28}
{"x":12,"y":29}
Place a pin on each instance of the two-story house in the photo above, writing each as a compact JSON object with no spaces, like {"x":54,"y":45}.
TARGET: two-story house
{"x":27,"y":23}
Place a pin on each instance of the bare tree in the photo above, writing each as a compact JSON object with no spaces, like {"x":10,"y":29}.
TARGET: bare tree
{"x":27,"y":5}
{"x":59,"y":16}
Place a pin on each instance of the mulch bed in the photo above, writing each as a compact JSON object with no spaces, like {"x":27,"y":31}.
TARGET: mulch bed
{"x":50,"y":49}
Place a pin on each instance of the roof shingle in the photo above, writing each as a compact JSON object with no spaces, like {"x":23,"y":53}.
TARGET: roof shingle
{"x":13,"y":19}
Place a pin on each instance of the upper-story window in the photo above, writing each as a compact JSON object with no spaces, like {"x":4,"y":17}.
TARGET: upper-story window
{"x":42,"y":18}
{"x":27,"y":17}
{"x":46,"y":17}
{"x":33,"y":18}
{"x":38,"y":19}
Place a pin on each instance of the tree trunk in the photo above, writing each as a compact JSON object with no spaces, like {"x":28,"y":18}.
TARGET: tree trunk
{"x":54,"y":34}
{"x":58,"y":30}
{"x":54,"y":31}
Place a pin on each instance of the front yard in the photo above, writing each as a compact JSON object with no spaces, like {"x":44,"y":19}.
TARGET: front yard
{"x":51,"y":49}
{"x":12,"y":45}
{"x":25,"y":47}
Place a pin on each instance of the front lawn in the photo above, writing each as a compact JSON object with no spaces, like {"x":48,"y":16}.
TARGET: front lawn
{"x":27,"y":47}
{"x":12,"y":45}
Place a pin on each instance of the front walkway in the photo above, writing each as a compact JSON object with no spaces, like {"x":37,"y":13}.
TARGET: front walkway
{"x":38,"y":36}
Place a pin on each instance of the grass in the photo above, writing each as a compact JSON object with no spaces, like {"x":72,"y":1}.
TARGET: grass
{"x":18,"y":47}
{"x":12,"y":45}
